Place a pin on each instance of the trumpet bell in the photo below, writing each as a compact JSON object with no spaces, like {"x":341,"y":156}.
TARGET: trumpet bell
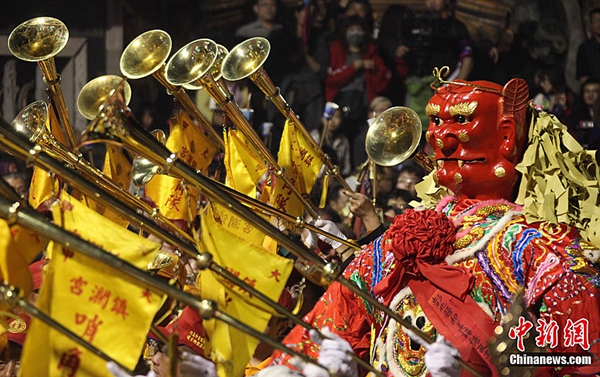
{"x":245,"y":58}
{"x":96,"y":92}
{"x":145,"y":54}
{"x":394,"y":136}
{"x":191,"y":62}
{"x":142,"y":169}
{"x":30,"y":123}
{"x":215,"y":69}
{"x":38,"y":39}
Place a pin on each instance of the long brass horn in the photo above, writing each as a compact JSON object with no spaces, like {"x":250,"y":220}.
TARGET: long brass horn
{"x":191,"y":65}
{"x":115,"y":123}
{"x":395,"y":136}
{"x":20,"y":145}
{"x":95,"y":92}
{"x":29,"y":125}
{"x":39,"y":40}
{"x":246,"y":60}
{"x":142,"y":169}
{"x":215,"y":69}
{"x":207,"y":309}
{"x":146,"y":55}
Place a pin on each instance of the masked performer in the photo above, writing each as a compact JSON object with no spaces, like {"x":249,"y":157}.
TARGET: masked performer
{"x":454,"y":269}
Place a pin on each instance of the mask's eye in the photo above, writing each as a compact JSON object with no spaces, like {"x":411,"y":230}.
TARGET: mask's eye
{"x":436,"y":120}
{"x":461,"y":119}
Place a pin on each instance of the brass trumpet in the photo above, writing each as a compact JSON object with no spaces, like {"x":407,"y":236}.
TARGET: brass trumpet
{"x":246,"y":60}
{"x":395,"y":136}
{"x":191,"y":65}
{"x":39,"y":40}
{"x":146,"y":55}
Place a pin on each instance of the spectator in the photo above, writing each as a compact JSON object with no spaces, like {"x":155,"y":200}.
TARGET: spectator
{"x":436,"y":39}
{"x":399,"y":200}
{"x":335,"y":142}
{"x":360,"y":8}
{"x":265,"y":23}
{"x":585,"y":117}
{"x":302,"y":86}
{"x":19,"y":182}
{"x":356,"y":74}
{"x":554,"y":98}
{"x":393,"y":39}
{"x":409,"y":176}
{"x":588,"y":56}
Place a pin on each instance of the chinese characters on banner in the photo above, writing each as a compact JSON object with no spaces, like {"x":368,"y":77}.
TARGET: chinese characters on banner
{"x":302,"y":163}
{"x":101,"y":305}
{"x":251,"y":263}
{"x":175,"y":201}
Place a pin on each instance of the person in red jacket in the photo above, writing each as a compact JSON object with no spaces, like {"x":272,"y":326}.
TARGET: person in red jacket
{"x":356,"y":73}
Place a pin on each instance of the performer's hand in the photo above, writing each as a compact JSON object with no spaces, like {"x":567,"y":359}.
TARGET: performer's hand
{"x":326,"y":226}
{"x":196,"y":366}
{"x":118,"y":372}
{"x":361,"y":206}
{"x":441,"y":356}
{"x":334,"y":356}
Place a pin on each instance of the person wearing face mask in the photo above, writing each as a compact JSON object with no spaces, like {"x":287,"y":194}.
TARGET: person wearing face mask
{"x":356,"y":73}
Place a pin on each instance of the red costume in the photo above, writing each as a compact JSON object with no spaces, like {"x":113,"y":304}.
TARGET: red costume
{"x":454,"y":270}
{"x":340,"y":73}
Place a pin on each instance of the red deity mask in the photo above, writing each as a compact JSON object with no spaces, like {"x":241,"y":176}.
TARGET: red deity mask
{"x":477,"y":133}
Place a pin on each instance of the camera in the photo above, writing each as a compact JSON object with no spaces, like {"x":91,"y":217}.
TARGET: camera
{"x":586,"y":124}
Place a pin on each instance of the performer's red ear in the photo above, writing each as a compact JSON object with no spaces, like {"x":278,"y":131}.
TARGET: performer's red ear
{"x":508,"y":129}
{"x":515,"y":95}
{"x":514,"y":103}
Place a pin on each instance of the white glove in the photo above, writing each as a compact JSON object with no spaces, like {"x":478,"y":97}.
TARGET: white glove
{"x":329,"y":227}
{"x":196,"y":366}
{"x":334,"y":356}
{"x":278,"y":371}
{"x":440,"y":358}
{"x":118,"y":372}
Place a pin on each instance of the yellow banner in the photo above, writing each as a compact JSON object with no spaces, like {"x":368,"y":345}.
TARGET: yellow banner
{"x":42,"y":189}
{"x":265,"y":271}
{"x":243,"y":163}
{"x":106,"y":308}
{"x":175,"y":201}
{"x":18,"y":247}
{"x":190,"y":144}
{"x":118,"y":169}
{"x":302,"y":163}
